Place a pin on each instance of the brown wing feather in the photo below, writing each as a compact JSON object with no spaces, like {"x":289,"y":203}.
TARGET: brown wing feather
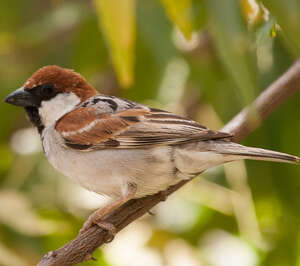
{"x":85,"y":126}
{"x":133,"y":128}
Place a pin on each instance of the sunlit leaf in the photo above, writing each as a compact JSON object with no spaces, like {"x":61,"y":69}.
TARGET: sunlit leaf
{"x":181,"y":13}
{"x":287,"y":14}
{"x":251,"y":11}
{"x":233,"y":45}
{"x":117,"y":20}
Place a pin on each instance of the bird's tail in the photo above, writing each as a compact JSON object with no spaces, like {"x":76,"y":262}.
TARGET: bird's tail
{"x":251,"y":153}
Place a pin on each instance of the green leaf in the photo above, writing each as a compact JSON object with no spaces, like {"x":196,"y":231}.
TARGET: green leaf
{"x":287,"y":14}
{"x":117,"y":20}
{"x":233,"y":43}
{"x":266,"y":31}
{"x":180,"y":13}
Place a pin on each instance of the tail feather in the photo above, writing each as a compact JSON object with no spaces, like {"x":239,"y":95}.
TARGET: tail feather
{"x":231,"y":148}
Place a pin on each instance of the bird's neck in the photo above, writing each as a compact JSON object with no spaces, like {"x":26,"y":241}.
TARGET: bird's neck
{"x":52,"y":110}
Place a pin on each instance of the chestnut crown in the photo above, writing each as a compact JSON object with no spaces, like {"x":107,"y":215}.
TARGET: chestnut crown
{"x":54,"y":79}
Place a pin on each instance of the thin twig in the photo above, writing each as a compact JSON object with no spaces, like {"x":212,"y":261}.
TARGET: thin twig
{"x":82,"y":247}
{"x":266,"y":103}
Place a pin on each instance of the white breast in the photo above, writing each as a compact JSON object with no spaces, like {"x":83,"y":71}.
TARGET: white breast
{"x":108,"y":171}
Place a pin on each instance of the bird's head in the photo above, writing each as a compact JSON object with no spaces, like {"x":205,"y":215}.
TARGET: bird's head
{"x":50,"y":93}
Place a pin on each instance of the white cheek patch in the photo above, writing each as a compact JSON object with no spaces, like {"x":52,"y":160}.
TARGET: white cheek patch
{"x":51,"y":110}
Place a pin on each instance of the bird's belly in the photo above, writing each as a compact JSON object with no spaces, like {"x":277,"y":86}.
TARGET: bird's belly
{"x":108,"y":171}
{"x":91,"y":171}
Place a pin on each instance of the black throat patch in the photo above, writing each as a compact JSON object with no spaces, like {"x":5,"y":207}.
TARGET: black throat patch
{"x":35,"y":118}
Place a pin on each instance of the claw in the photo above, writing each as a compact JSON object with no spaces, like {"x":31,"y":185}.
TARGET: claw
{"x":150,"y":213}
{"x":163,"y":195}
{"x":90,"y":257}
{"x":110,"y":228}
{"x":87,"y":225}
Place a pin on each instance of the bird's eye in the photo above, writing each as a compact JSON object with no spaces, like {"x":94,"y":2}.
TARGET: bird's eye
{"x":47,"y":90}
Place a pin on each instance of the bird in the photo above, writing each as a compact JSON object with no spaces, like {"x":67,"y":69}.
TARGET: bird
{"x":117,"y":147}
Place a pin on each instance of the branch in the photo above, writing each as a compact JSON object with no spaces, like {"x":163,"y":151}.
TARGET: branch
{"x":82,"y":247}
{"x":266,"y":103}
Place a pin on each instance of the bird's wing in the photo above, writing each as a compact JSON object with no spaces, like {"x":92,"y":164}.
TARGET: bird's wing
{"x":136,"y":126}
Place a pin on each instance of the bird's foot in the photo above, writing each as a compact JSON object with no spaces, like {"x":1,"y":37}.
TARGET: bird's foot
{"x":163,"y":195}
{"x":97,"y":216}
{"x":89,"y":222}
{"x":109,"y":227}
{"x":150,"y":213}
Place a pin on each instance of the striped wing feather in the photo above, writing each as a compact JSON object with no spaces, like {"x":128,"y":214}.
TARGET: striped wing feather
{"x":139,"y":127}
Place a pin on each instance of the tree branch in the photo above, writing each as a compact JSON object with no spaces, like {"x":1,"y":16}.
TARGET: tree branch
{"x":267,"y":102}
{"x":82,"y":247}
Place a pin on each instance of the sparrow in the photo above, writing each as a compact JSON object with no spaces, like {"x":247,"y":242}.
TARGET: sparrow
{"x":118,"y":147}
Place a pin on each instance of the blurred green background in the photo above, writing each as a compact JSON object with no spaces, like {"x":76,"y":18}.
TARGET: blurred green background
{"x":205,"y":59}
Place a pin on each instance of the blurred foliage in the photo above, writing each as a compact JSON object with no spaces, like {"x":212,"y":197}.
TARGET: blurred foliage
{"x":181,"y":13}
{"x":202,"y":58}
{"x":118,"y":23}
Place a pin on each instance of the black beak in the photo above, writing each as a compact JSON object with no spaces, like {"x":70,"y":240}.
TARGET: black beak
{"x":20,"y":97}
